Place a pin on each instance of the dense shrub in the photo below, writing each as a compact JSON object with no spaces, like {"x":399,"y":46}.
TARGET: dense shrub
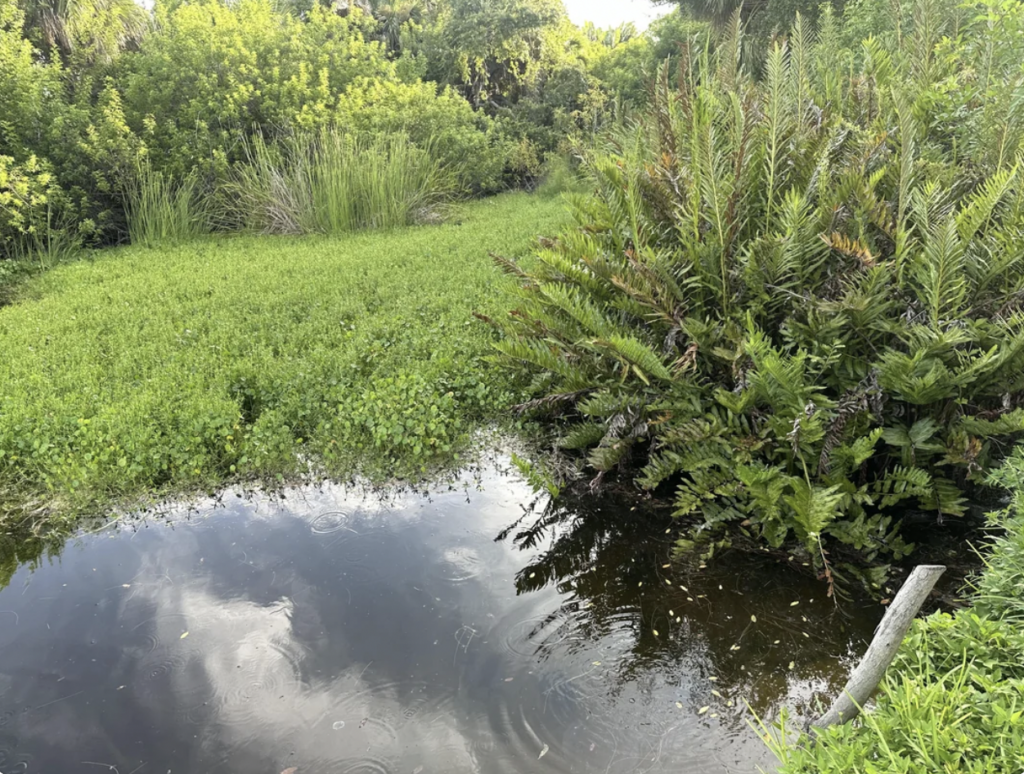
{"x":213,"y":72}
{"x":465,"y":142}
{"x":789,"y":299}
{"x":25,"y":191}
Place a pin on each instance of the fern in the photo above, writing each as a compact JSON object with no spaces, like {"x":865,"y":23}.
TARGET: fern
{"x":797,"y":298}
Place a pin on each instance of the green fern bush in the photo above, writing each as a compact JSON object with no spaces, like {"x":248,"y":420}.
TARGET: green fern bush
{"x":788,"y":299}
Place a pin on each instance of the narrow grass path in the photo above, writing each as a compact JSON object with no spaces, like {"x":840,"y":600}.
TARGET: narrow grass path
{"x":153,"y":370}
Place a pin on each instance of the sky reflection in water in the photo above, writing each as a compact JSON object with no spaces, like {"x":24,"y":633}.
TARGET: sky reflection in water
{"x":339,"y":631}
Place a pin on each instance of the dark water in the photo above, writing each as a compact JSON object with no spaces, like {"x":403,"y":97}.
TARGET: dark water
{"x":338,"y":631}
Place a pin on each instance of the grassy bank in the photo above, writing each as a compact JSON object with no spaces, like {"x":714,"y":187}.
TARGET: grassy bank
{"x":154,"y":370}
{"x":954,"y":699}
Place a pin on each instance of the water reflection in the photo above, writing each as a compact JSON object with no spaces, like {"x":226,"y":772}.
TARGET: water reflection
{"x":334,"y":630}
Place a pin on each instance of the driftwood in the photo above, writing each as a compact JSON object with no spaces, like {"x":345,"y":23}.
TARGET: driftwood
{"x":888,"y":637}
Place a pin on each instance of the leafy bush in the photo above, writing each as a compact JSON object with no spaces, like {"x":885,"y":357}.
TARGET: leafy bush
{"x":331,"y":183}
{"x":466,"y":143}
{"x":793,"y":303}
{"x":25,"y":191}
{"x":212,"y":73}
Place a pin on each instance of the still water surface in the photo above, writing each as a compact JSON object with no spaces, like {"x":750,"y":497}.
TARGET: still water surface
{"x":336,"y":630}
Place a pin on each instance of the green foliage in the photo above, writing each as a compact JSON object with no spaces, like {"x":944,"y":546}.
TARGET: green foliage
{"x":332,"y":183}
{"x":795,"y":304}
{"x":157,"y":369}
{"x":162,"y":211}
{"x":213,"y":72}
{"x":93,"y":89}
{"x":951,"y":702}
{"x":25,"y":191}
{"x":466,"y":143}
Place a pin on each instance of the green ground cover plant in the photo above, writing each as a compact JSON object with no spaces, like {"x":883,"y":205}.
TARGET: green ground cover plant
{"x":147,"y":370}
{"x":953,"y":701}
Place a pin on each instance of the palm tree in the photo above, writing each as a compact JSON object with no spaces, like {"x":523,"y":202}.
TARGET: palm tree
{"x":89,"y":31}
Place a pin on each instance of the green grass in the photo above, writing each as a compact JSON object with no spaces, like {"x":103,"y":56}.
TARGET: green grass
{"x":146,"y":371}
{"x":953,"y":701}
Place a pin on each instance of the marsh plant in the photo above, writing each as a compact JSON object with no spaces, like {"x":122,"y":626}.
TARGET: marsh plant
{"x":164,"y":211}
{"x":330,"y":182}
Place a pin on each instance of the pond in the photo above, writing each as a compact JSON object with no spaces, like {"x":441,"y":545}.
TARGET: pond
{"x":466,"y":629}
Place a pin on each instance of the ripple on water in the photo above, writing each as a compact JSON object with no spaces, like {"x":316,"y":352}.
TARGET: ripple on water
{"x":269,"y":669}
{"x":461,"y":563}
{"x":330,"y":522}
{"x":367,"y":765}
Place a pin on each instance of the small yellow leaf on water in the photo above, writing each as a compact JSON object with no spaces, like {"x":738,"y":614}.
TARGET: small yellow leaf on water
{"x":533,"y":575}
{"x":126,"y":585}
{"x":713,"y":679}
{"x":792,"y":664}
{"x":807,"y":635}
{"x":794,"y":604}
{"x":668,"y":582}
{"x":671,"y":614}
{"x":728,"y":703}
{"x":183,"y":636}
{"x":685,"y":589}
{"x":655,"y":632}
{"x":735,"y":647}
{"x":753,"y":618}
{"x":714,"y":714}
{"x":665,"y":566}
{"x":641,"y":583}
{"x":597,"y":663}
{"x":679,"y":704}
{"x":716,"y":693}
{"x":679,"y":619}
{"x":702,"y":710}
{"x":776,"y":642}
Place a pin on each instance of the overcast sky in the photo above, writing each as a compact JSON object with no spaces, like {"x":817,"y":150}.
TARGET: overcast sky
{"x":612,"y":13}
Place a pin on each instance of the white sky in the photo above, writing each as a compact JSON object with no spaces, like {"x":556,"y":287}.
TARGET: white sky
{"x":612,"y":13}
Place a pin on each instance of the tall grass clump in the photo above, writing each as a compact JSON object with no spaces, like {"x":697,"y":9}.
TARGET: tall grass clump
{"x":165,"y":211}
{"x":330,"y":183}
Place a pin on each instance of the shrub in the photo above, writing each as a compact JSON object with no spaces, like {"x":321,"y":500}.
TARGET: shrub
{"x":331,"y":183}
{"x":25,"y":191}
{"x":796,"y":306}
{"x":212,"y":73}
{"x":463,"y":141}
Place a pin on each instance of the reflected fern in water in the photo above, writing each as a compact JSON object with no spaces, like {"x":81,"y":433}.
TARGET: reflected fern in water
{"x":755,"y":630}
